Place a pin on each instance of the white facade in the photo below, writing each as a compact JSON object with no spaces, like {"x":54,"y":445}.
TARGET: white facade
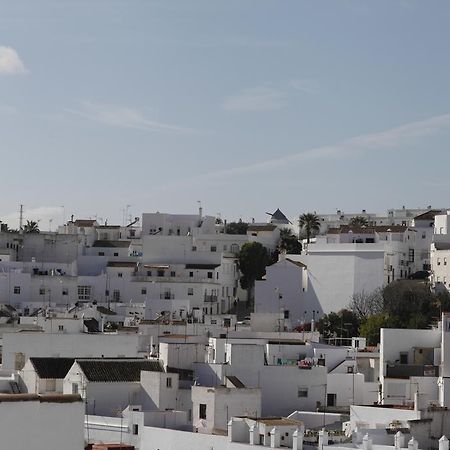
{"x":41,"y":422}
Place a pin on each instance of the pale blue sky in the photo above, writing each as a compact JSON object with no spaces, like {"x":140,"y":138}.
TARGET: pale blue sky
{"x":246,"y":105}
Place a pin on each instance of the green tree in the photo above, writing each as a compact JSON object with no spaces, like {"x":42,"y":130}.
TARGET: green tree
{"x":289,"y":242}
{"x":370,"y":327}
{"x":344,"y":323}
{"x":409,"y":303}
{"x":253,"y":259}
{"x":358,"y":221}
{"x":310,"y":223}
{"x":31,"y":227}
{"x":236,"y":227}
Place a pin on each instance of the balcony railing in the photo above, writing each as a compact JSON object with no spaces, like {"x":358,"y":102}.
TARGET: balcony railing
{"x":210,"y":298}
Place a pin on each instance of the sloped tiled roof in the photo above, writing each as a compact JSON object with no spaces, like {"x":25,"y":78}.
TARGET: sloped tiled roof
{"x":202,"y":266}
{"x":343,"y":229}
{"x":117,"y":370}
{"x":236,"y":382}
{"x":52,"y":368}
{"x":129,"y":264}
{"x":111,"y":244}
{"x":265,"y":227}
{"x":85,"y":223}
{"x":429,"y":215}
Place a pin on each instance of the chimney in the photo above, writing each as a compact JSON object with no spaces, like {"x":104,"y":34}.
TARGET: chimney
{"x":413,"y":444}
{"x":399,"y":440}
{"x":443,"y":443}
{"x":275,"y":438}
{"x":252,"y":435}
{"x":323,"y":439}
{"x":367,"y":442}
{"x":297,"y":438}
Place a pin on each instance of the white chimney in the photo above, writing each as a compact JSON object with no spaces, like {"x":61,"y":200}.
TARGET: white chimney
{"x":399,"y":440}
{"x":443,"y":443}
{"x":297,"y":438}
{"x":367,"y":442}
{"x":275,"y":438}
{"x":413,"y":444}
{"x":252,"y":435}
{"x":323,"y":438}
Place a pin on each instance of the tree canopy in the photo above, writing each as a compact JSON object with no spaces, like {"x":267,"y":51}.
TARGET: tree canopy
{"x":253,"y":259}
{"x":31,"y":227}
{"x":401,"y":304}
{"x":310,"y":224}
{"x":236,"y":227}
{"x":358,"y":221}
{"x":289,"y":242}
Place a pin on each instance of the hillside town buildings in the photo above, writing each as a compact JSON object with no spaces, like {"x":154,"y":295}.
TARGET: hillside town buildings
{"x":141,"y":336}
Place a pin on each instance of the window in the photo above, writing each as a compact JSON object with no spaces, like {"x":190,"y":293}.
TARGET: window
{"x":149,"y":273}
{"x":101,"y":253}
{"x":16,"y":289}
{"x":144,"y":291}
{"x":60,"y":327}
{"x":213,"y":248}
{"x":302,"y":392}
{"x":135,"y":428}
{"x":116,"y":254}
{"x":424,"y":235}
{"x":120,"y":274}
{"x":190,"y":291}
{"x":74,"y":388}
{"x":116,"y":295}
{"x":84,"y":292}
{"x":41,"y":291}
{"x":172,"y":273}
{"x":202,"y":411}
{"x":210,"y":274}
{"x":160,"y":273}
{"x":331,"y":399}
{"x":404,"y":358}
{"x":438,"y":261}
{"x":168,"y":382}
{"x":191,"y":274}
{"x":286,"y":314}
{"x":194,"y":248}
{"x":65,"y":291}
{"x":445,"y":261}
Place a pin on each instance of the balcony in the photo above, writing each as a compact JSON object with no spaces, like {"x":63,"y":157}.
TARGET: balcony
{"x":210,"y":298}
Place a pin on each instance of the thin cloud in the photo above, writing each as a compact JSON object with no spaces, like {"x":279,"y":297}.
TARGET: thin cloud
{"x":124,"y":117}
{"x":264,"y":98}
{"x":256,"y":99}
{"x":391,"y":138}
{"x":10,"y":63}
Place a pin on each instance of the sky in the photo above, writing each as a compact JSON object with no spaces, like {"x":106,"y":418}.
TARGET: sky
{"x":247,"y":106}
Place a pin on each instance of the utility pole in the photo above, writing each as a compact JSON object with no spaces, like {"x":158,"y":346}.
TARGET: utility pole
{"x":20,"y":217}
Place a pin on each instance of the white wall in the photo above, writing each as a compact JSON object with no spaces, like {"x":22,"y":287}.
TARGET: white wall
{"x":337,"y":272}
{"x":67,"y":345}
{"x":41,"y":425}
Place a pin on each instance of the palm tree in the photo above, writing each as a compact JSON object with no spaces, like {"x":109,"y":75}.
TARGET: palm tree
{"x":358,"y":221}
{"x":289,"y":242}
{"x":31,"y":227}
{"x":310,"y":223}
